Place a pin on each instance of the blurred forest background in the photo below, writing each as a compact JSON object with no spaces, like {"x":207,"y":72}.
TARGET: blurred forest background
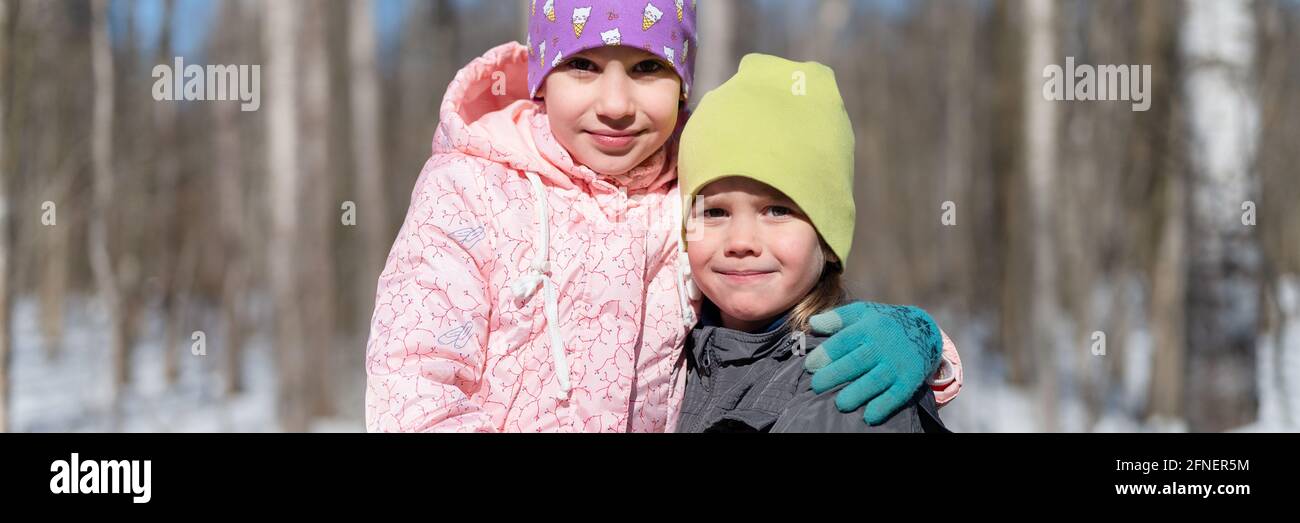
{"x":134,"y":232}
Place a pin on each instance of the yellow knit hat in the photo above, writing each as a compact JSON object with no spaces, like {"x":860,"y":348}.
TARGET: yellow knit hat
{"x":782,"y":123}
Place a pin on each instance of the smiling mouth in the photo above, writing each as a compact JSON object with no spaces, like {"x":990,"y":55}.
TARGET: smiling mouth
{"x":613,"y":139}
{"x":744,"y":276}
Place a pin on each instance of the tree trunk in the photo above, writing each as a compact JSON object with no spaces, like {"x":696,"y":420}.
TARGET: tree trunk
{"x":321,"y":216}
{"x":1008,"y":201}
{"x":1218,"y":42}
{"x":717,"y":60}
{"x":956,"y":146}
{"x":372,"y":212}
{"x":1279,"y":408}
{"x":230,"y":196}
{"x":167,"y":174}
{"x":281,"y":47}
{"x":47,"y":150}
{"x":54,"y":267}
{"x":235,"y":280}
{"x":5,"y":240}
{"x":1167,"y":307}
{"x":102,"y":212}
{"x":1041,"y":166}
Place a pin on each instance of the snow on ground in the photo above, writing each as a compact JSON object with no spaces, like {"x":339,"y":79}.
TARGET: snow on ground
{"x":72,"y":393}
{"x":1278,"y":365}
{"x":988,"y":403}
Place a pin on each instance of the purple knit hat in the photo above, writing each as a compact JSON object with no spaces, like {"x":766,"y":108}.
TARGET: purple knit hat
{"x":562,"y":28}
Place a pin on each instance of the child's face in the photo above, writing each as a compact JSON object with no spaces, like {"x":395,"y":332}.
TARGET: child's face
{"x":756,"y":255}
{"x":612,"y":107}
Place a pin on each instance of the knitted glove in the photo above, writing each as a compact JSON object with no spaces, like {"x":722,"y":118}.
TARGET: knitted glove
{"x":886,"y":351}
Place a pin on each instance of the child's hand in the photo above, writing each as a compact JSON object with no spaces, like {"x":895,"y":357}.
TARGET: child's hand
{"x":887,"y":351}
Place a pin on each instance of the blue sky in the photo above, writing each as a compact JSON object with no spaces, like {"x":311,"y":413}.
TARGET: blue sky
{"x":193,"y":19}
{"x":190,"y":23}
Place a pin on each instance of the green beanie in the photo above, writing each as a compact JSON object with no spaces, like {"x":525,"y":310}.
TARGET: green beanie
{"x":781,"y":123}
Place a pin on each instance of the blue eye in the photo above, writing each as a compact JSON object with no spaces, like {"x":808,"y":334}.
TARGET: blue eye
{"x":779,"y":211}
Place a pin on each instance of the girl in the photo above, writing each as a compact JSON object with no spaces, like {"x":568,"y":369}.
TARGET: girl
{"x":536,"y":283}
{"x":770,"y":165}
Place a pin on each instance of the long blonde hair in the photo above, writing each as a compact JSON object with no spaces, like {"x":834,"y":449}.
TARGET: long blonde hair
{"x":828,"y":293}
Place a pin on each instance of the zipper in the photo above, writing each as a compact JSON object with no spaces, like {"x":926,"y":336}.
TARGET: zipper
{"x":706,"y":364}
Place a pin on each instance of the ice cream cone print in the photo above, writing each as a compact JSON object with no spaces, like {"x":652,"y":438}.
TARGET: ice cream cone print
{"x":686,"y":49}
{"x":532,"y":10}
{"x":580,"y":16}
{"x":541,"y":54}
{"x":668,"y":53}
{"x":549,"y":9}
{"x":612,"y":37}
{"x":559,"y":55}
{"x":650,"y":16}
{"x":681,"y":5}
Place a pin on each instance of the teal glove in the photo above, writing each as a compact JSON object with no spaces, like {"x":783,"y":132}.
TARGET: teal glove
{"x":887,"y":351}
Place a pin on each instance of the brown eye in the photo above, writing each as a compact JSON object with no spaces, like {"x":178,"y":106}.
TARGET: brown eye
{"x":714,"y":213}
{"x":648,"y":67}
{"x":581,"y":64}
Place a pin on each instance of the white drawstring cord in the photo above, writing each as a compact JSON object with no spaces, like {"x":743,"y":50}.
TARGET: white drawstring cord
{"x":539,"y":274}
{"x":687,"y":291}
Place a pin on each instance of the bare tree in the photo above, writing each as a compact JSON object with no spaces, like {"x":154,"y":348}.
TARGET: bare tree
{"x":1279,"y":218}
{"x":230,"y":182}
{"x":280,"y":33}
{"x":320,"y":216}
{"x":47,"y":150}
{"x":371,"y":211}
{"x":167,"y":212}
{"x":1218,"y":40}
{"x":958,"y":135}
{"x":430,"y":30}
{"x":1041,"y":167}
{"x":54,"y":265}
{"x":101,"y":258}
{"x":5,"y":239}
{"x":1158,"y":154}
{"x":717,"y":60}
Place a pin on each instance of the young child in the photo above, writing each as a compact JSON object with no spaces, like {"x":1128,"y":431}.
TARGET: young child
{"x":767,"y":160}
{"x":537,"y":282}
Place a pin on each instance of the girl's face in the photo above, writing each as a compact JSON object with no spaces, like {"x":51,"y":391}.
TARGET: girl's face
{"x":612,"y":107}
{"x":756,"y":254}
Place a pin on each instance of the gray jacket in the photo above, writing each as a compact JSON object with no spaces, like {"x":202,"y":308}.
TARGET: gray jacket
{"x":744,"y":382}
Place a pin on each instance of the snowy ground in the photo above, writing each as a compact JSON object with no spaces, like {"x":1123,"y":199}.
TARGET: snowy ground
{"x":1279,"y":369}
{"x":72,"y":392}
{"x":989,"y":404}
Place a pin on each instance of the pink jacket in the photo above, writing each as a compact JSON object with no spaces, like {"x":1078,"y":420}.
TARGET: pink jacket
{"x":525,"y":292}
{"x":472,"y":332}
